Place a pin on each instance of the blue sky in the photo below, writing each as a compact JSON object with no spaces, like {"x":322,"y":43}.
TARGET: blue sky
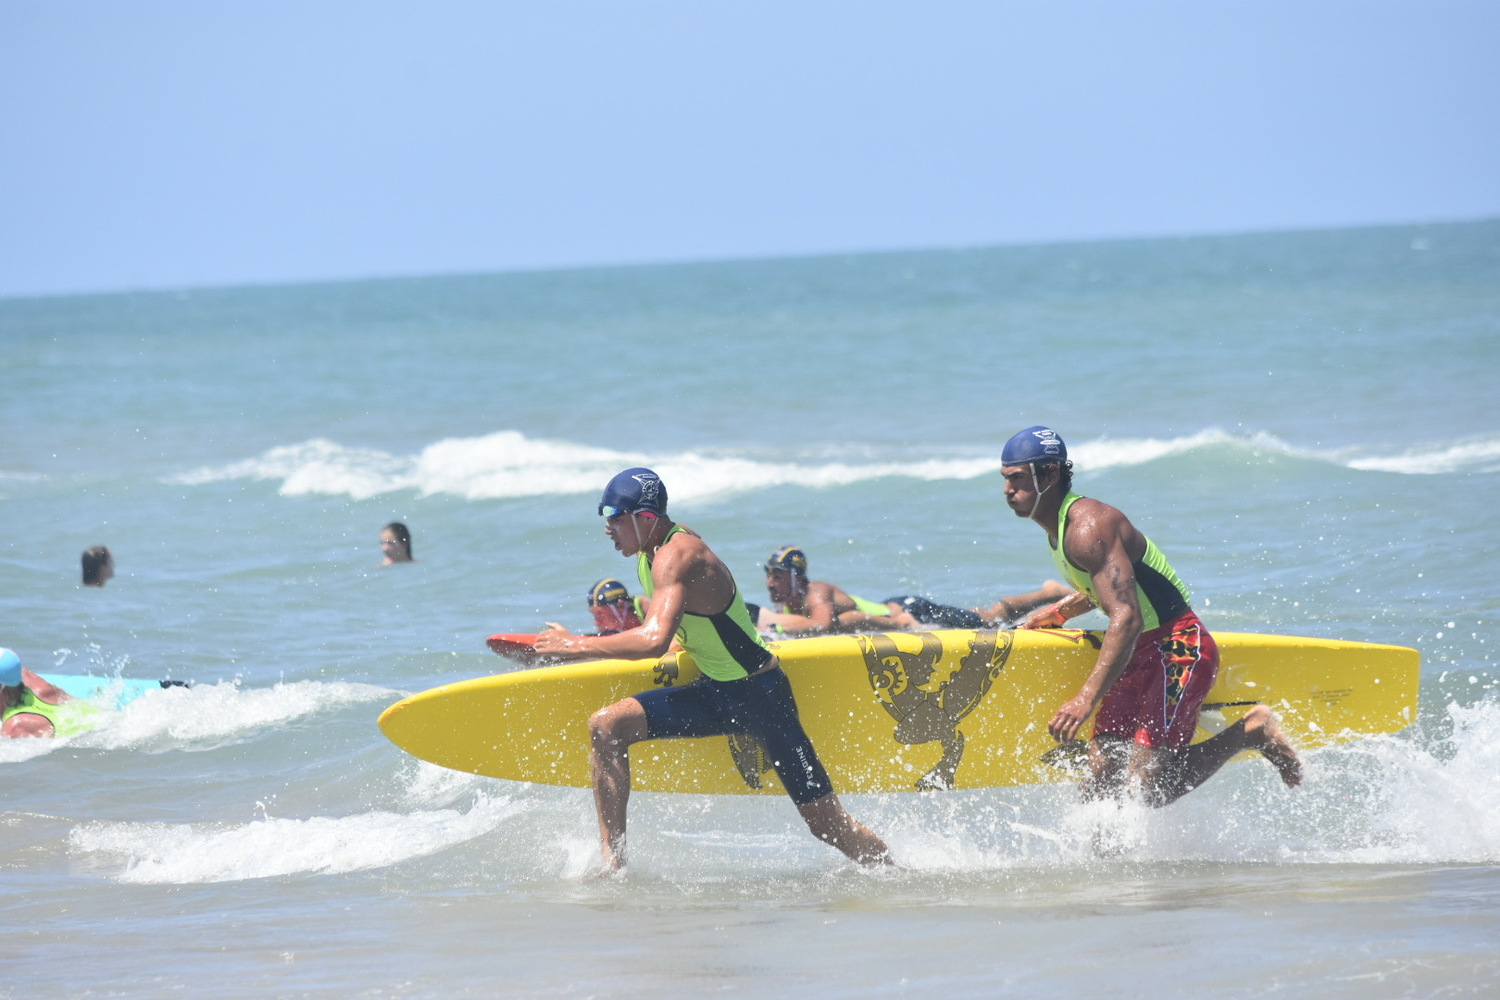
{"x":182,"y":143}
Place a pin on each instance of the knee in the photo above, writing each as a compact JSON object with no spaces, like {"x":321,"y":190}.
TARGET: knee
{"x":603,"y":725}
{"x":610,"y":728}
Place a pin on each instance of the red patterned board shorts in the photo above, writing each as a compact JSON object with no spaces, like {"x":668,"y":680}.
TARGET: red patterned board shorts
{"x":1155,"y":702}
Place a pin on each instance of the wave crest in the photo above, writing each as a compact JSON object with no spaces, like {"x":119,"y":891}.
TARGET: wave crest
{"x":510,"y":465}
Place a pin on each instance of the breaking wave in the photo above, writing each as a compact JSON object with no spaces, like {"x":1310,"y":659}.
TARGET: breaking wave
{"x":508,"y":464}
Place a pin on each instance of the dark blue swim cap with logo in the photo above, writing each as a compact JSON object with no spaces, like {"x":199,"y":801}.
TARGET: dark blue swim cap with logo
{"x":788,"y":558}
{"x":607,"y":591}
{"x":1034,"y":444}
{"x":634,"y":491}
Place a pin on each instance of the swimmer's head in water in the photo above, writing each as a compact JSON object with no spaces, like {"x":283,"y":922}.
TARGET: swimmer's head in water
{"x":788,"y":558}
{"x":786,"y":574}
{"x":612,"y":607}
{"x":10,"y":668}
{"x":607,"y":592}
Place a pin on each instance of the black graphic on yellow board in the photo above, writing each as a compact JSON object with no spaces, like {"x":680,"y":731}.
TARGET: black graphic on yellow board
{"x":928,"y":693}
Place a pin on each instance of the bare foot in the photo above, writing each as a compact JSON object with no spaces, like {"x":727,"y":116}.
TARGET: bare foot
{"x":1266,"y":736}
{"x":599,"y":871}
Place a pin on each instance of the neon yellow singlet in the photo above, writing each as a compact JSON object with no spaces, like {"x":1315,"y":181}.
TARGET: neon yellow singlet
{"x":69,"y":719}
{"x":1161,"y":595}
{"x":860,"y":604}
{"x":869,"y":607}
{"x":725,"y":646}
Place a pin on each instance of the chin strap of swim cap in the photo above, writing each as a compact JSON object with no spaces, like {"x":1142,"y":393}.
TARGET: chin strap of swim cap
{"x":635,"y":523}
{"x":1035,"y":482}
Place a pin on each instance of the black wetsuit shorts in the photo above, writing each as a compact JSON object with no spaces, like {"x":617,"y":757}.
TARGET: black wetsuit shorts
{"x":760,"y":706}
{"x":942,"y":615}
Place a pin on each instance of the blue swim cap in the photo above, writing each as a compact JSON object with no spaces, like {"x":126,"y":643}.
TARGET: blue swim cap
{"x":10,"y":668}
{"x":607,"y":592}
{"x":788,"y":558}
{"x":1034,"y":444}
{"x":634,"y":491}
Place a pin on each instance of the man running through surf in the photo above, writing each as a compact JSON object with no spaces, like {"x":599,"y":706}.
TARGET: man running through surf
{"x":692,"y":596}
{"x":1157,"y":661}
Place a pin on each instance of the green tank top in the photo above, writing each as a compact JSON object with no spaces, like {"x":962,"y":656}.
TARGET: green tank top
{"x":725,"y":646}
{"x":68,"y":719}
{"x":860,"y":604}
{"x":1162,"y":596}
{"x":870,"y":607}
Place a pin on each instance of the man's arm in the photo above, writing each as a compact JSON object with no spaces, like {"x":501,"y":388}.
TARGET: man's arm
{"x":43,"y":688}
{"x":820,"y":611}
{"x":1050,"y":595}
{"x":863,"y":621}
{"x":1057,"y":615}
{"x":1098,"y":544}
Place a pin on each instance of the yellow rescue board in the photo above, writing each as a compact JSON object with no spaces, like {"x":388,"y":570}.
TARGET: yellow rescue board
{"x":895,"y":711}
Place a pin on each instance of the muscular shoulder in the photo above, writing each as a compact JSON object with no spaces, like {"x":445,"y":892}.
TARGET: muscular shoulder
{"x":686,"y":559}
{"x":1095,"y":529}
{"x":683,"y":549}
{"x":1087,"y":509}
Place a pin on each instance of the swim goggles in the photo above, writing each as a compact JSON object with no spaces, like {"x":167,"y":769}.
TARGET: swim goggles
{"x":609,"y":512}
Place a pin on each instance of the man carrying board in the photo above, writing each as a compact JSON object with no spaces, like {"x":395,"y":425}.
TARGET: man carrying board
{"x":693,"y":597}
{"x":1157,"y":661}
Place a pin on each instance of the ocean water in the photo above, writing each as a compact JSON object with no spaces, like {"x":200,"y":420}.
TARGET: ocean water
{"x":1306,"y":423}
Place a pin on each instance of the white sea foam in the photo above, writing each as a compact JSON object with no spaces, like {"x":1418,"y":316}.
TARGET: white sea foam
{"x":508,"y":464}
{"x":14,"y":751}
{"x":1472,"y":455}
{"x":1444,"y":801}
{"x":188,"y":853}
{"x":202,"y":716}
{"x":316,"y":466}
{"x":214,"y":714}
{"x":1124,"y":452}
{"x":427,"y":785}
